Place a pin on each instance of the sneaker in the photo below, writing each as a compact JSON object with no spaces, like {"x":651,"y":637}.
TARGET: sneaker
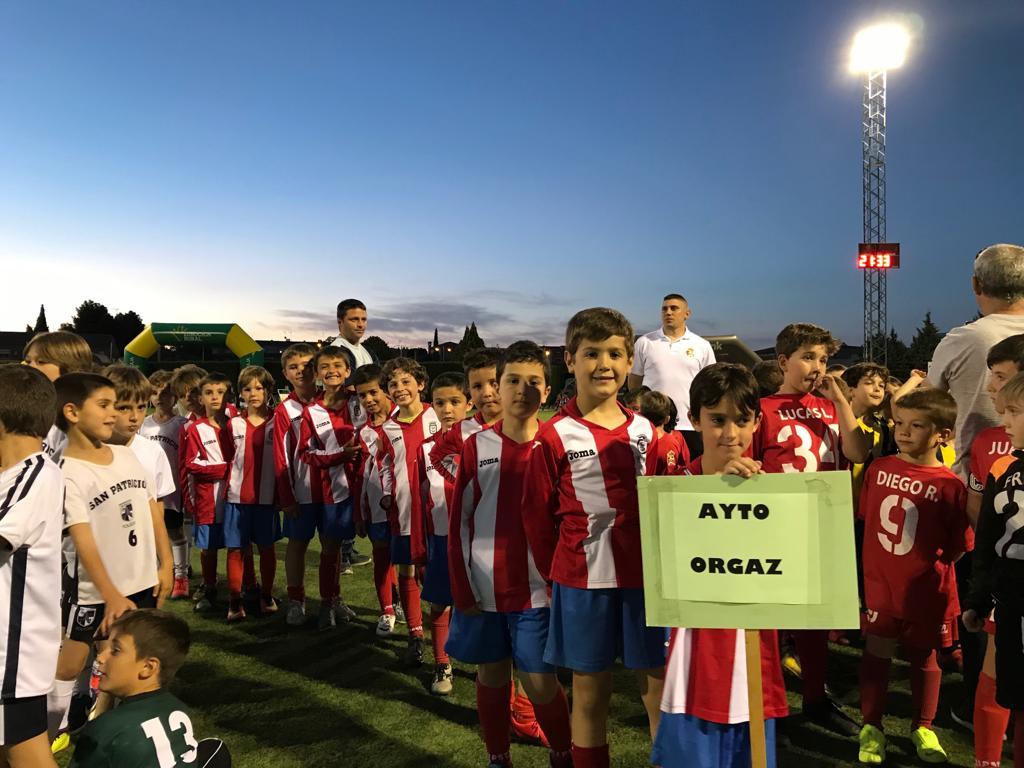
{"x":927,"y":745}
{"x":791,"y":664}
{"x":345,"y":569}
{"x":414,"y":652}
{"x":342,"y":611}
{"x":180,"y":589}
{"x":268,"y":605}
{"x":356,"y":559}
{"x":236,"y":612}
{"x":442,"y":685}
{"x":528,"y":730}
{"x":62,"y":742}
{"x":828,"y":715}
{"x":399,"y":613}
{"x":385,"y":625}
{"x":296,"y":613}
{"x":872,"y":745}
{"x":205,"y":601}
{"x":327,"y":619}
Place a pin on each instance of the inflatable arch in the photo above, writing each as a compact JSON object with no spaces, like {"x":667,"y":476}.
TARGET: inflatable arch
{"x":145,"y":345}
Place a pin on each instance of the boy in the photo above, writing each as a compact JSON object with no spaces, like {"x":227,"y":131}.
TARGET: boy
{"x":207,"y":471}
{"x":583,"y":525}
{"x":184,"y":385}
{"x":118,"y":557}
{"x":31,"y":518}
{"x":915,"y":528}
{"x":369,"y":512}
{"x":804,"y":431}
{"x":673,"y":453}
{"x":402,"y":437}
{"x":55,"y":353}
{"x":327,"y":444}
{"x":502,"y":609}
{"x":998,"y":568}
{"x":866,"y":382}
{"x":703,"y":721}
{"x":163,"y":426}
{"x":448,"y":399}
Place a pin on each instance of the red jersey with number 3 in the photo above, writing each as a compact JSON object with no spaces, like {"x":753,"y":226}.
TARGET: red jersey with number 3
{"x":915,"y":527}
{"x":798,"y":433}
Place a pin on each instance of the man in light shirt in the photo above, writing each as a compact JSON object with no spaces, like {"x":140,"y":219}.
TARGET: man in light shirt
{"x":351,"y":327}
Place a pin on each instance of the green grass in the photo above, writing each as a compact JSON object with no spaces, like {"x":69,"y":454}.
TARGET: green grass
{"x":287,"y":697}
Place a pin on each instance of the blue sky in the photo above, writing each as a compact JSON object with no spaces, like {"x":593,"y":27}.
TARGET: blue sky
{"x":507,"y":163}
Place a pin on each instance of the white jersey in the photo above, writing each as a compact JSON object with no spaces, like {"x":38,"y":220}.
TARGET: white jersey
{"x":114,"y":500}
{"x":31,"y":497}
{"x":166,"y":435}
{"x":158,"y":470}
{"x":54,"y":443}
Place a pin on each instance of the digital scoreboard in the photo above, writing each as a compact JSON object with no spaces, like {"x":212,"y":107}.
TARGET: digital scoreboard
{"x":878,"y":256}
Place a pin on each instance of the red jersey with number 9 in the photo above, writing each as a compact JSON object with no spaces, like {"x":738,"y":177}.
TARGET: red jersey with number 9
{"x":798,"y":433}
{"x":915,"y":527}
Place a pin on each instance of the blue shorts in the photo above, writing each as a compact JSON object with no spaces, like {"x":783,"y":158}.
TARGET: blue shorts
{"x":333,"y":521}
{"x":591,"y":628}
{"x":258,"y":524}
{"x":208,"y":536}
{"x":437,"y":589}
{"x":685,"y":741}
{"x":491,"y":637}
{"x":379,"y":532}
{"x":401,"y":550}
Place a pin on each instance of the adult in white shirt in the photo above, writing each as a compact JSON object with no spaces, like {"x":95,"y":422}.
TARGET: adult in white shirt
{"x":351,"y":327}
{"x":666,"y":360}
{"x":958,"y":364}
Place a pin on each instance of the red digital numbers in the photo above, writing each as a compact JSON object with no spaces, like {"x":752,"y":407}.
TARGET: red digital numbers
{"x":878,"y":256}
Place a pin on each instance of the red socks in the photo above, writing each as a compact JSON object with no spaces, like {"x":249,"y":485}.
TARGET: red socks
{"x":383,"y":579}
{"x":990,"y":721}
{"x":553,"y":718}
{"x":812,"y":647}
{"x":492,"y":705}
{"x":439,"y":633}
{"x":409,"y":591}
{"x":329,"y":564}
{"x":874,"y":683}
{"x":235,"y":569}
{"x":208,"y":563}
{"x":925,"y":679}
{"x":248,"y":568}
{"x":268,"y":570}
{"x":591,"y":757}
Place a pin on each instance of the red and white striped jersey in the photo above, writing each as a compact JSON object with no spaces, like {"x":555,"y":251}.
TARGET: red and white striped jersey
{"x":399,"y":461}
{"x":435,"y":492}
{"x":292,"y":476}
{"x":249,"y":449}
{"x":579,"y":499}
{"x":447,"y":447}
{"x":166,"y":435}
{"x":323,"y":435}
{"x":370,"y":489}
{"x":489,"y":559}
{"x":207,"y":471}
{"x":989,"y":445}
{"x":706,"y":675}
{"x":798,"y":433}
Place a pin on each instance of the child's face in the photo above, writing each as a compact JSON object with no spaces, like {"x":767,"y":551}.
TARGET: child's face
{"x":633,"y":404}
{"x":130,"y":415}
{"x":450,"y":405}
{"x":523,"y":388}
{"x":299,"y":373}
{"x":373,"y":398}
{"x":600,"y":367}
{"x":49,"y":370}
{"x":1013,"y":421}
{"x":726,"y":430}
{"x":120,"y":670}
{"x":916,"y":435}
{"x":403,"y":388}
{"x":212,"y":398}
{"x":189,"y":400}
{"x":483,"y":391}
{"x":870,"y":391}
{"x":97,"y":417}
{"x":802,"y":371}
{"x":254,"y":395}
{"x":998,"y":375}
{"x":332,"y":371}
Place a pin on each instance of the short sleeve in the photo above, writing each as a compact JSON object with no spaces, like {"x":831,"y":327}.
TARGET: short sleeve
{"x":709,"y":358}
{"x":165,"y":485}
{"x":23,"y":524}
{"x":76,"y":505}
{"x":638,"y":356}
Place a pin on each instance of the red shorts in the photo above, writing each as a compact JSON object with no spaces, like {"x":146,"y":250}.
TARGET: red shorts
{"x":915,"y":634}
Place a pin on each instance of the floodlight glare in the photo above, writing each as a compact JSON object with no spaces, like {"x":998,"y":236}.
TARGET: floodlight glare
{"x":879,"y":48}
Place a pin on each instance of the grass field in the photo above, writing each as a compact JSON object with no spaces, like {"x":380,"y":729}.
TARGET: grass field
{"x":286,"y":697}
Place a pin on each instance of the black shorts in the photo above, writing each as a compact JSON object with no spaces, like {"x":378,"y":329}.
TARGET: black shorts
{"x":1009,"y":657}
{"x":22,"y":719}
{"x":81,"y":622}
{"x":173,"y":518}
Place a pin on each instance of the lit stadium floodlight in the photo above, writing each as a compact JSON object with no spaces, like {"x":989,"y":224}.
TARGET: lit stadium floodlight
{"x":879,"y":47}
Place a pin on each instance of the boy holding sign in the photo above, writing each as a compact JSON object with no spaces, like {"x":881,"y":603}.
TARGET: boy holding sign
{"x":705,"y":718}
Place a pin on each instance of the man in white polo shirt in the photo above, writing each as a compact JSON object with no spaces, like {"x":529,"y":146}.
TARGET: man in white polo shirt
{"x":351,"y":327}
{"x":666,"y":360}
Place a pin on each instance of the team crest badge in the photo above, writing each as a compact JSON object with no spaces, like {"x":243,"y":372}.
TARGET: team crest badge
{"x":671,"y":457}
{"x":641,"y":444}
{"x":127,"y":512}
{"x":433,"y":428}
{"x":690,"y":352}
{"x":86,"y":617}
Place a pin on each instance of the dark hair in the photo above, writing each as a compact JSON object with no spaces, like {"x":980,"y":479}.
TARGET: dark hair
{"x":769,"y":376}
{"x":130,"y":384}
{"x":939,"y":406}
{"x":481,"y":358}
{"x":656,"y":407}
{"x":598,"y":324}
{"x":676,"y":296}
{"x":28,"y":401}
{"x":331,"y":352}
{"x":720,"y":380}
{"x":635,"y":395}
{"x":406,"y":364}
{"x":525,"y":351}
{"x":1009,"y":350}
{"x":855,"y":374}
{"x":449,"y":379}
{"x":796,"y":335}
{"x":215,"y":377}
{"x":186,"y":378}
{"x":260,"y":374}
{"x":298,"y":349}
{"x":76,"y":388}
{"x":157,"y":635}
{"x":347,"y":304}
{"x":365,"y":374}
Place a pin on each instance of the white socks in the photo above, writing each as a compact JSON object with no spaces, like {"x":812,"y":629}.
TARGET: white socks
{"x":58,"y":702}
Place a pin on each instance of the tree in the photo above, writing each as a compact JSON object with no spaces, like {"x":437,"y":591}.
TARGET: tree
{"x":922,"y":346}
{"x":92,"y":317}
{"x":377,"y":347}
{"x":436,"y":343}
{"x":126,"y":326}
{"x":898,"y":356}
{"x":470,"y":340}
{"x":41,"y":324}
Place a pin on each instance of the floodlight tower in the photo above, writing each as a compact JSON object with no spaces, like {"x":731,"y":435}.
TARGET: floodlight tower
{"x":876,"y":50}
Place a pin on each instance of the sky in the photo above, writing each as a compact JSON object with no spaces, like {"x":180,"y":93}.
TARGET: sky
{"x":497,"y":162}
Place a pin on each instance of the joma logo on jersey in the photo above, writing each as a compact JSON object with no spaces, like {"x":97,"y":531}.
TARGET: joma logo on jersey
{"x":127,"y":511}
{"x":574,"y":455}
{"x":322,"y":424}
{"x":641,"y":444}
{"x":487,"y":462}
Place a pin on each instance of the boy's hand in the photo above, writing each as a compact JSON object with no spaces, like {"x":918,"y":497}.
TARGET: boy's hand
{"x":830,"y":389}
{"x":972,"y":622}
{"x":352,"y":449}
{"x":744,"y":466}
{"x":292,"y":510}
{"x":386,"y":502}
{"x":164,"y":582}
{"x":361,"y":529}
{"x":115,"y":609}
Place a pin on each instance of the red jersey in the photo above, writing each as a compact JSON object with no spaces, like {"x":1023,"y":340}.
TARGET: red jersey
{"x":207,"y":471}
{"x":292,"y":475}
{"x":988,"y":445}
{"x":399,"y":462}
{"x":673,"y":453}
{"x":915,"y":527}
{"x":447,"y":447}
{"x":798,"y":433}
{"x":579,"y":499}
{"x":249,"y":449}
{"x":435,"y":492}
{"x":489,"y":559}
{"x":323,"y":434}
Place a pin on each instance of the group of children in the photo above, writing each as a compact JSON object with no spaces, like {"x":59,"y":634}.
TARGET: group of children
{"x":522,"y":536}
